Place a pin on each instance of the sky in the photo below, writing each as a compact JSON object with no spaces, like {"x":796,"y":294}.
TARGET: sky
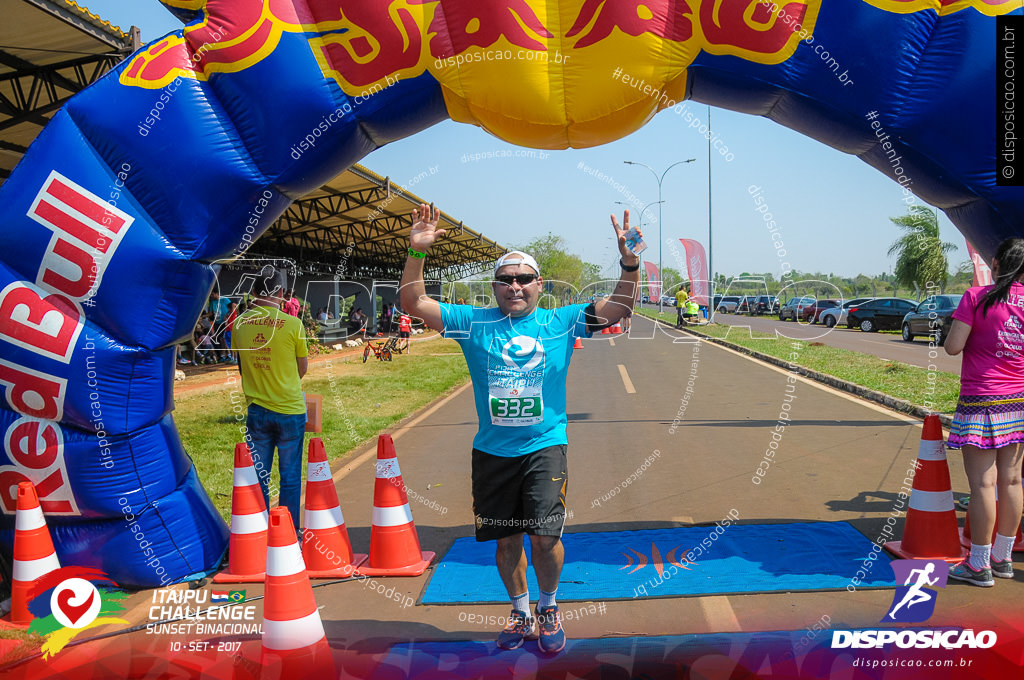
{"x":831,"y":209}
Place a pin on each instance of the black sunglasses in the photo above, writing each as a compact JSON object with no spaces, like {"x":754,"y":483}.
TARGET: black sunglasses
{"x":521,"y":279}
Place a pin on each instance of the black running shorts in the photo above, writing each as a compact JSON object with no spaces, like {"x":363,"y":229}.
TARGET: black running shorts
{"x":524,"y":494}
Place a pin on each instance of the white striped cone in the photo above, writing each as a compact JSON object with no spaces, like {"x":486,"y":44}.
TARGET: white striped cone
{"x":931,"y":530}
{"x":394,"y":545}
{"x":34,"y":555}
{"x":294,"y":643}
{"x":247,"y":546}
{"x":326,"y":548}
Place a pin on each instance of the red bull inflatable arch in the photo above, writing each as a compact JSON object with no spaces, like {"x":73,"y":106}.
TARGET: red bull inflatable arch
{"x":192,"y":147}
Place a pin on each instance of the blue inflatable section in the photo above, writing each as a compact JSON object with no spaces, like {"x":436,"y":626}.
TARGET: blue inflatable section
{"x":190,"y":149}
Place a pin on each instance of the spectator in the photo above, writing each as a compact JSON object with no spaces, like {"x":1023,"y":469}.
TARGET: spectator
{"x":219,"y":308}
{"x":272,"y":360}
{"x":356,"y":320}
{"x":682,"y":297}
{"x":988,"y":424}
{"x":405,"y":330}
{"x":292,"y":305}
{"x":229,"y":327}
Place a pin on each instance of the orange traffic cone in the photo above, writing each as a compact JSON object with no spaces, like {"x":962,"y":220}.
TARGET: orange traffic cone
{"x":294,"y":643}
{"x":394,"y":545}
{"x":34,"y":555}
{"x":617,"y":328}
{"x":247,"y":546}
{"x":578,"y":344}
{"x":606,"y":330}
{"x":930,"y":531}
{"x":326,"y":548}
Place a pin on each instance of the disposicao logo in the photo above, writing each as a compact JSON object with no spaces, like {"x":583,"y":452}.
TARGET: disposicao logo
{"x":914,"y":602}
{"x":70,"y":600}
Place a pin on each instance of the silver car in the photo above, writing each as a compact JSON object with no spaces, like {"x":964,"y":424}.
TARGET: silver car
{"x":728,"y":304}
{"x":837,"y":315}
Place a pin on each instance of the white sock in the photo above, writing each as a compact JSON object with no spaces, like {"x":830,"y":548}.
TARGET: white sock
{"x":546,"y":599}
{"x":521,"y":603}
{"x":1002,"y":549}
{"x":981,"y":556}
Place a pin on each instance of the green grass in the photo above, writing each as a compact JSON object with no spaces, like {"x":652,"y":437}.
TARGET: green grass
{"x":936,"y":390}
{"x":360,"y":400}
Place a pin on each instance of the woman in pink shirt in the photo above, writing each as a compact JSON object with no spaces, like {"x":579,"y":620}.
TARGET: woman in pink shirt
{"x":988,"y":426}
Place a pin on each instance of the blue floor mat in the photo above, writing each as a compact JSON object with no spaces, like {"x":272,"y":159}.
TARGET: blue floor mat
{"x":737,"y":559}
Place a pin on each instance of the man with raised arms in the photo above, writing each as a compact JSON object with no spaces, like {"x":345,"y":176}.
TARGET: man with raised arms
{"x":518,"y":357}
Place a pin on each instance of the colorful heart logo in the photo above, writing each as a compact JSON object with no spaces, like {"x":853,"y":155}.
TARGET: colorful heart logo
{"x":74,"y":612}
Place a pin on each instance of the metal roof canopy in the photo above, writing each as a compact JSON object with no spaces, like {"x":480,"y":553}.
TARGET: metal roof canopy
{"x":52,"y":49}
{"x":49,"y":50}
{"x":359,"y":223}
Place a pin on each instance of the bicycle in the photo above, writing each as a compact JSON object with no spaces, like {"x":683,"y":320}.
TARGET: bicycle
{"x":382,"y":351}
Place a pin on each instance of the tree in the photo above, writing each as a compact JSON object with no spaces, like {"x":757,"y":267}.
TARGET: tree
{"x":920,"y":252}
{"x":671,"y":279}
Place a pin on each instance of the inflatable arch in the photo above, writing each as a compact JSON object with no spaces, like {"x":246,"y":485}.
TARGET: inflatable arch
{"x":193,"y":146}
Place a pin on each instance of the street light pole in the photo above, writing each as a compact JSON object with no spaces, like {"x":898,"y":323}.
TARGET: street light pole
{"x":642,"y":212}
{"x":661,"y":240}
{"x":711,"y":270}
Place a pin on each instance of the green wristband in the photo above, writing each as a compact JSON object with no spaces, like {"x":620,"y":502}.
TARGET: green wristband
{"x":416,"y":253}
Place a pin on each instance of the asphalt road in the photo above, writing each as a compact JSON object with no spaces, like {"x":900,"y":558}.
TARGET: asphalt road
{"x":885,"y":345}
{"x":840,"y":459}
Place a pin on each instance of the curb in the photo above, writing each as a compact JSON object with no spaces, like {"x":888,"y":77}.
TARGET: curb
{"x":890,"y":402}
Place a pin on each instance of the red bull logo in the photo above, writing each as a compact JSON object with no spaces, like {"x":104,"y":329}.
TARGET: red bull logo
{"x":474,"y":49}
{"x":361,"y":44}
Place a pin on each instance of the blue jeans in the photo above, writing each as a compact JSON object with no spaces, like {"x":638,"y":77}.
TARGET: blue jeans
{"x":267,"y":430}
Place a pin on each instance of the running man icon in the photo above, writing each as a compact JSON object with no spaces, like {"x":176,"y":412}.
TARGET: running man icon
{"x":914,"y":595}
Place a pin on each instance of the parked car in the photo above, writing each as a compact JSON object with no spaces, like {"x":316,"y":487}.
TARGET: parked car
{"x":932,"y":318}
{"x":879,"y":314}
{"x":765,"y":304}
{"x":727,"y":304}
{"x":645,"y":299}
{"x":747,"y":303}
{"x":794,"y":307}
{"x":837,"y":315}
{"x":668,"y":301}
{"x":810,"y":313}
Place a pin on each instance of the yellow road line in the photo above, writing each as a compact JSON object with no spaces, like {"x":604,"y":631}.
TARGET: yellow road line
{"x":626,"y":381}
{"x":612,"y":341}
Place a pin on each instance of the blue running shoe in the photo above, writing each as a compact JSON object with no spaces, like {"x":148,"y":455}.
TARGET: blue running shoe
{"x":518,"y":629}
{"x":552,"y":637}
{"x":976,"y":577}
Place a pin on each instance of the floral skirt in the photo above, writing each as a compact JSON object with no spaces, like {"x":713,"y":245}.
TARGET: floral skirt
{"x":988,"y":421}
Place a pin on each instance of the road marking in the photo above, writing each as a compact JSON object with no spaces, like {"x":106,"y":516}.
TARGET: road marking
{"x":626,"y":381}
{"x":612,"y":341}
{"x":719,"y":614}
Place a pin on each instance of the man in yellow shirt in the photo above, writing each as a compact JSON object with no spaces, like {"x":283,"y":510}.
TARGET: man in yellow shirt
{"x":272,"y":358}
{"x":681,"y":298}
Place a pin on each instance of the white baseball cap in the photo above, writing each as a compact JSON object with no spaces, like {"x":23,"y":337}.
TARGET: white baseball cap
{"x":516,"y":257}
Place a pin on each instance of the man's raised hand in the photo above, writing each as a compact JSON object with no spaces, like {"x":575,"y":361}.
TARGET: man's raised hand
{"x":620,"y":235}
{"x":424,"y":227}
